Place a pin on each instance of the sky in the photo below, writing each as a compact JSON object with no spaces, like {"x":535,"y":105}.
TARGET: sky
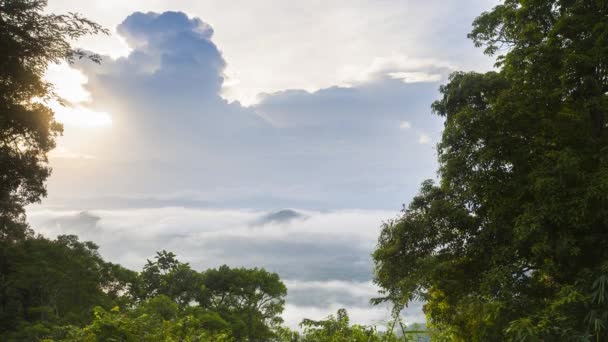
{"x":266,"y":133}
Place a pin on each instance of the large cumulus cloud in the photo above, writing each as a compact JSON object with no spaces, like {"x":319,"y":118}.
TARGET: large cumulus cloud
{"x":164,"y":96}
{"x":172,"y":132}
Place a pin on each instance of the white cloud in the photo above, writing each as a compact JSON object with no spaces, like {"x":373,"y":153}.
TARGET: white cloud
{"x":324,"y":260}
{"x":69,"y":84}
{"x":415,"y":76}
{"x":275,"y":45}
{"x":153,"y":225}
{"x":396,"y":66}
{"x":405,"y":124}
{"x":171,"y":132}
{"x":424,"y":139}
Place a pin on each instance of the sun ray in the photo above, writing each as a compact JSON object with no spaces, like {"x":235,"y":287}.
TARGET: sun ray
{"x":69,"y":85}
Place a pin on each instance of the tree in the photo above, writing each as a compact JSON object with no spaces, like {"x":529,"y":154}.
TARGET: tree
{"x":247,"y":302}
{"x":52,"y":283}
{"x":29,"y":41}
{"x":338,"y":329}
{"x":152,"y":325}
{"x":510,"y":243}
{"x":251,"y":300}
{"x":170,"y":277}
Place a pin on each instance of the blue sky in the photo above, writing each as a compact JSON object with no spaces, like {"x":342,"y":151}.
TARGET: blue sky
{"x":259,"y":133}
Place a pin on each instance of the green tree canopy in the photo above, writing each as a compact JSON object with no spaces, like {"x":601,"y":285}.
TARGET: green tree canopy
{"x":56,"y":282}
{"x":149,"y":324}
{"x":338,"y":329}
{"x":510,"y":243}
{"x":252,"y":300}
{"x":168,"y":276}
{"x":63,"y":290}
{"x":248,"y":301}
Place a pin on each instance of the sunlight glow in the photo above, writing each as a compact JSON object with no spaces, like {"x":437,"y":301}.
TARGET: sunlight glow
{"x":80,"y":116}
{"x":69,"y":85}
{"x":68,"y":82}
{"x":61,"y":152}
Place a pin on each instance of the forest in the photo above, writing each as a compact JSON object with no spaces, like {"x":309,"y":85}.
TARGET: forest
{"x":509,"y":243}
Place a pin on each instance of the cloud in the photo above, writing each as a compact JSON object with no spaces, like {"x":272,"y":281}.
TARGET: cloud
{"x":273,"y":45}
{"x":326,"y":293}
{"x":405,"y":124}
{"x":399,"y":67}
{"x":304,"y":256}
{"x":170,"y":80}
{"x":324,"y":260}
{"x":172,"y":132}
{"x":279,"y":217}
{"x":139,"y":29}
{"x":222,"y":235}
{"x":72,"y":223}
{"x":374,"y":103}
{"x":424,"y":139}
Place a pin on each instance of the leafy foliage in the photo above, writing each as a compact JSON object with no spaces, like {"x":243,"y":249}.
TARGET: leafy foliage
{"x":52,"y":283}
{"x":250,"y":299}
{"x":167,"y":276}
{"x":63,"y":290}
{"x":151,"y":323}
{"x":337,"y":328}
{"x":510,"y":243}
